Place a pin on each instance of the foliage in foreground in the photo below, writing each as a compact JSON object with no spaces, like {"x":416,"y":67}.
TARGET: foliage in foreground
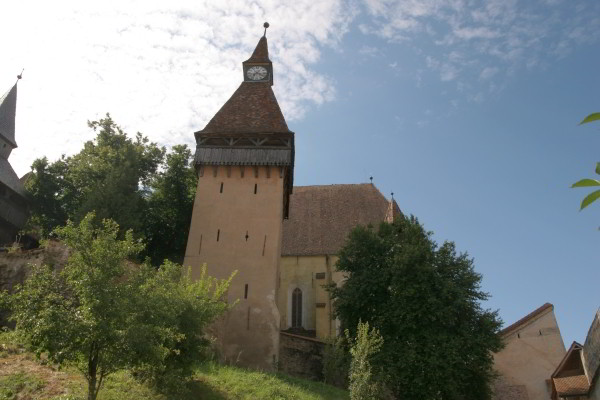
{"x":127,"y":180}
{"x":595,"y":195}
{"x":363,"y":384}
{"x":425,"y":302}
{"x":103,"y":314}
{"x":24,"y":377}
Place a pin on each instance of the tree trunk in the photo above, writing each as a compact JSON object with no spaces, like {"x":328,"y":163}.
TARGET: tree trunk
{"x":92,"y":369}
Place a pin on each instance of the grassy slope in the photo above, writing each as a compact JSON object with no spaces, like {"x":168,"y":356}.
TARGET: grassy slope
{"x":22,"y":377}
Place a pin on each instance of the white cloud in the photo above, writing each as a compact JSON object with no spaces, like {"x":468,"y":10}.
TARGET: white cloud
{"x":162,"y":68}
{"x":489,"y":36}
{"x":488,"y":73}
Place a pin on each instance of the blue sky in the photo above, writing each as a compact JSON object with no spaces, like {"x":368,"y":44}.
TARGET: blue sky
{"x":466,"y":110}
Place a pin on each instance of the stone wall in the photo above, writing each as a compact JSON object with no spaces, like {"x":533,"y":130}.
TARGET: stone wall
{"x":301,"y":356}
{"x":591,"y":348}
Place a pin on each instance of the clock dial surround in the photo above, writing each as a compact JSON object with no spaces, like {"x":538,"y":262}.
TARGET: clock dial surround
{"x":257,"y":73}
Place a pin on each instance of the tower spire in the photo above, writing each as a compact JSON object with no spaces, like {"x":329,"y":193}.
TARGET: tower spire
{"x":8,"y":109}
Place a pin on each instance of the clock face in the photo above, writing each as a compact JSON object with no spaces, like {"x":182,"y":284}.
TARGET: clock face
{"x":256,"y":73}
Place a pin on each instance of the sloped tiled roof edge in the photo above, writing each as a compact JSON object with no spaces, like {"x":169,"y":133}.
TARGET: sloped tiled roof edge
{"x":252,"y":108}
{"x":10,"y":178}
{"x":527,"y":319}
{"x":321,"y":217}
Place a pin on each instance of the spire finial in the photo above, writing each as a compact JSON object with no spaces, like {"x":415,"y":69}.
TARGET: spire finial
{"x":392,"y":195}
{"x":371,"y":179}
{"x":20,"y":76}
{"x":266,"y":25}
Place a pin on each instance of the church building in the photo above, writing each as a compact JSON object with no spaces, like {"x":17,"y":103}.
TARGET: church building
{"x":283,"y":241}
{"x":248,"y":217}
{"x":13,"y":201}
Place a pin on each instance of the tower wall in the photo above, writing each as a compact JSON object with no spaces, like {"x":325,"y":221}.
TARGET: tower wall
{"x":235,"y":229}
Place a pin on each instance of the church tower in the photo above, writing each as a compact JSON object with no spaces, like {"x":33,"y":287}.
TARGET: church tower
{"x":13,"y":200}
{"x":245,"y":166}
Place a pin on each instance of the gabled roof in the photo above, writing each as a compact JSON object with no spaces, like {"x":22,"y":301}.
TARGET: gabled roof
{"x":8,"y":108}
{"x":569,"y":377}
{"x":526,"y":319}
{"x":321,"y":217}
{"x":261,"y":52}
{"x":253,"y":108}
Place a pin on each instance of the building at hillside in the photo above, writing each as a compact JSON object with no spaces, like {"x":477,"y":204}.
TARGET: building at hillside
{"x":283,"y":242}
{"x":13,"y":201}
{"x":246,"y":219}
{"x":576,"y":377}
{"x":533,"y":349}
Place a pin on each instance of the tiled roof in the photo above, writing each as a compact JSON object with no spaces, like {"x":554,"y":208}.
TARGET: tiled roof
{"x":526,"y":319}
{"x":253,"y":108}
{"x":571,"y":385}
{"x":8,"y":107}
{"x":321,"y":217}
{"x":261,"y":52}
{"x":10,"y":178}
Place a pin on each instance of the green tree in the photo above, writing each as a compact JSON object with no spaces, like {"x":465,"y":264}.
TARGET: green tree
{"x":109,"y":176}
{"x":102,"y":313}
{"x":590,"y":198}
{"x":363,"y":384}
{"x":46,"y":187}
{"x":425,"y":301}
{"x":170,"y":204}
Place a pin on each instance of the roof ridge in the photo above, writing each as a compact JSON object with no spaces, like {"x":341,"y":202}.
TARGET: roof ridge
{"x":527,"y":318}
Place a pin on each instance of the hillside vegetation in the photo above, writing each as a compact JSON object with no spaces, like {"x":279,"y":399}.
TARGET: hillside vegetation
{"x":24,"y":377}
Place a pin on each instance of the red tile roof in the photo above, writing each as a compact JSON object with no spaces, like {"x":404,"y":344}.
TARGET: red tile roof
{"x":321,"y":217}
{"x":571,"y":385}
{"x":253,"y":108}
{"x":261,"y":52}
{"x":526,"y":319}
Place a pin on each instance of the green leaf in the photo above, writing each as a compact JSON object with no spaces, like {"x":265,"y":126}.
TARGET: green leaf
{"x":590,"y":118}
{"x":586,"y":182}
{"x":598,"y":168}
{"x":589,"y":199}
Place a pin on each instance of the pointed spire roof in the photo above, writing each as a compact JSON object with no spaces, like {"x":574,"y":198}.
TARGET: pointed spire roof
{"x":8,"y":108}
{"x":252,"y":108}
{"x":261,"y":52}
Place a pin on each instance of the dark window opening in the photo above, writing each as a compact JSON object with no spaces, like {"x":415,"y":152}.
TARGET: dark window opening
{"x":246,"y":291}
{"x":218,"y":234}
{"x":221,"y":191}
{"x":264,"y":245}
{"x":200,"y":245}
{"x":297,"y":308}
{"x":255,"y":187}
{"x":246,"y":236}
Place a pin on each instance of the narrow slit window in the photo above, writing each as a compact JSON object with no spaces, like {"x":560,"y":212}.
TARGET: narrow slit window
{"x":264,"y":245}
{"x":297,"y":308}
{"x":221,"y":190}
{"x":255,"y":188}
{"x":200,"y":245}
{"x":246,"y":291}
{"x":218,"y":234}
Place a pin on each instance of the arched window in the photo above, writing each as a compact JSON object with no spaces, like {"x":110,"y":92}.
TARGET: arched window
{"x":297,"y":308}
